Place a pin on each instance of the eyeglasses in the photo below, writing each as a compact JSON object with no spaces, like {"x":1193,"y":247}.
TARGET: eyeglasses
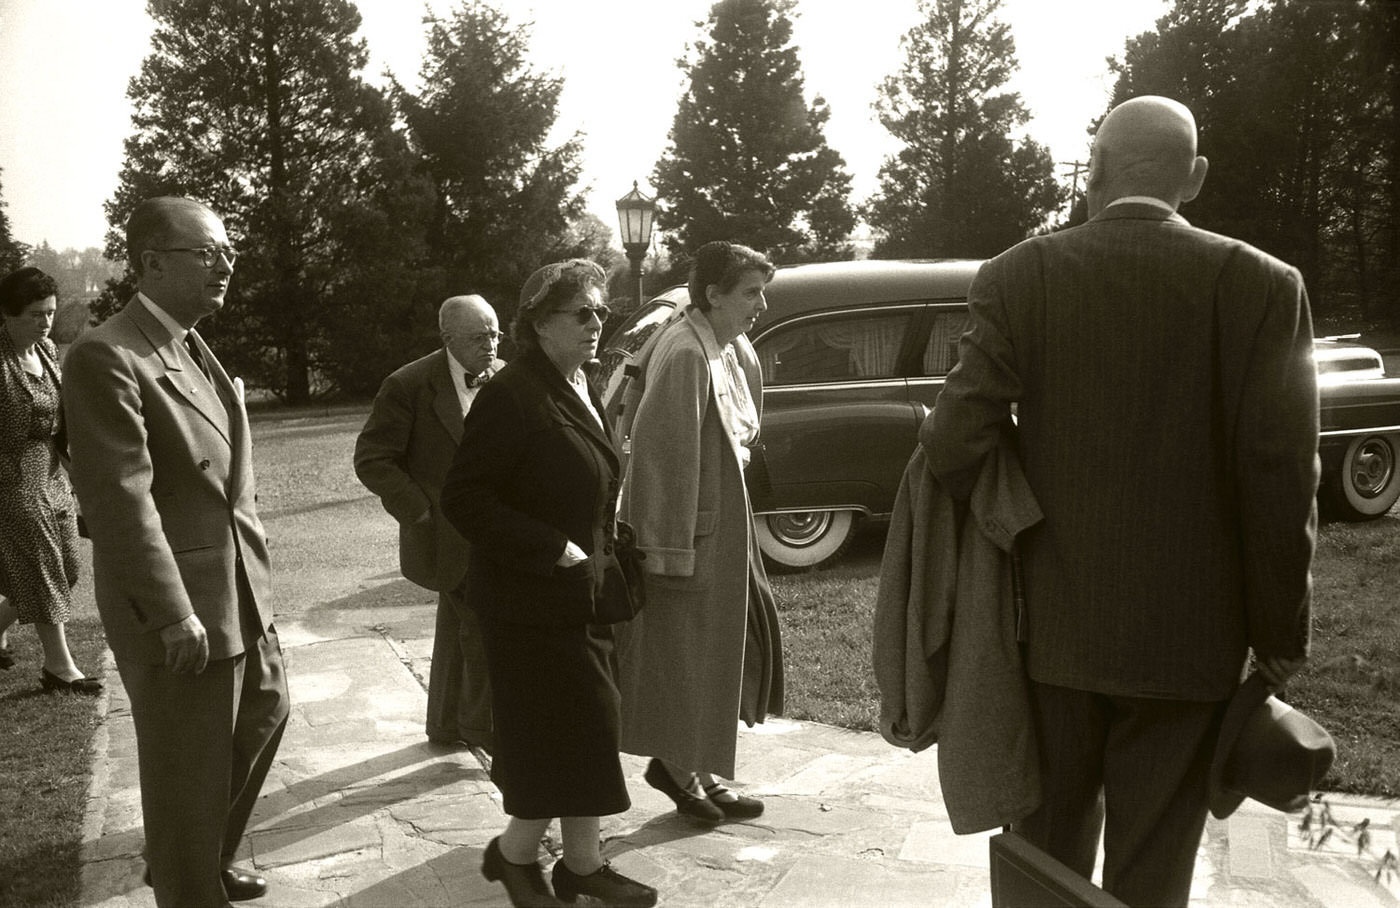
{"x":208,"y":255}
{"x":583,"y":313}
{"x":485,"y":337}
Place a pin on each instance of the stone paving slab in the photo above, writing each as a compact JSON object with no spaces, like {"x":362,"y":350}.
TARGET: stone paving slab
{"x":361,"y":812}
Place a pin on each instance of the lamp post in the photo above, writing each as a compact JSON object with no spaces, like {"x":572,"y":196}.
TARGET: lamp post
{"x":634,"y":216}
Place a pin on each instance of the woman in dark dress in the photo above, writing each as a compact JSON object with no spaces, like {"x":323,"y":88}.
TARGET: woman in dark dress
{"x":38,"y":522}
{"x":533,"y":488}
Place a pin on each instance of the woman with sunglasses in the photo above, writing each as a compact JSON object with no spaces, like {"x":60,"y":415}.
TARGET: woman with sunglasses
{"x":706,"y":651}
{"x":39,"y":546}
{"x":533,"y":488}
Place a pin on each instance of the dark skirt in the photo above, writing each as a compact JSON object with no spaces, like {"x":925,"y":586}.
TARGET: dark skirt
{"x":556,"y":711}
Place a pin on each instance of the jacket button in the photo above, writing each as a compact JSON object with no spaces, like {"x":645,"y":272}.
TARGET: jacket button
{"x":608,"y":549}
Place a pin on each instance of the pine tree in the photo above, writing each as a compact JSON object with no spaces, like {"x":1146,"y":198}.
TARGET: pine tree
{"x":960,"y":186}
{"x":506,"y":202}
{"x":12,"y":252}
{"x":256,"y":108}
{"x":748,"y":159}
{"x":1295,"y":103}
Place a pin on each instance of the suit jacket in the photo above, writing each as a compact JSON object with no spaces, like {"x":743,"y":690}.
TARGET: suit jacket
{"x":402,"y":455}
{"x":163,"y":468}
{"x":534,"y":471}
{"x":1168,"y":420}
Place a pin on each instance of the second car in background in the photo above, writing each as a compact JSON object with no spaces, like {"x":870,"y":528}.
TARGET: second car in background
{"x":854,"y":355}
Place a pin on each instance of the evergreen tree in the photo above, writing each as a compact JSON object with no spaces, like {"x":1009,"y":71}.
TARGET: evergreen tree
{"x":256,"y":108}
{"x":747,"y":159}
{"x":960,"y":186}
{"x":12,"y":252}
{"x":1295,"y":105}
{"x":506,"y":203}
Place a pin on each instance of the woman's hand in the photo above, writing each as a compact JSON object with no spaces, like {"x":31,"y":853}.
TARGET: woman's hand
{"x":572,"y":555}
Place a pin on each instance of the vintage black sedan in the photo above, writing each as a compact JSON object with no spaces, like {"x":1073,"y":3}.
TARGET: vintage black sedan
{"x":854,"y":355}
{"x":1360,"y":429}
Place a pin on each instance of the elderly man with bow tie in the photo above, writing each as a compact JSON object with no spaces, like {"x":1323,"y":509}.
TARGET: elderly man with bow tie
{"x":402,"y":455}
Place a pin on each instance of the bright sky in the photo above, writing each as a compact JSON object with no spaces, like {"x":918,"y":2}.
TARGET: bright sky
{"x":64,"y":68}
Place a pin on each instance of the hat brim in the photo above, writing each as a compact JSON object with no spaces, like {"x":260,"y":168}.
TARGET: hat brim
{"x":1248,"y":697}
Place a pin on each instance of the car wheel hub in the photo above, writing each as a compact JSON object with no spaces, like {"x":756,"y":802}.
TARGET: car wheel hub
{"x":1372,"y":467}
{"x":800,"y":529}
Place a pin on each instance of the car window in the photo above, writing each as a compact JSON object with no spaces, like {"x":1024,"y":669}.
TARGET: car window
{"x":633,"y":336}
{"x":834,"y":348}
{"x":941,"y":354}
{"x":624,"y":345}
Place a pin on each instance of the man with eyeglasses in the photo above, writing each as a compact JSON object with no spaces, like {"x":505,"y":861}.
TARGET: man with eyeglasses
{"x":402,"y":455}
{"x":163,"y":467}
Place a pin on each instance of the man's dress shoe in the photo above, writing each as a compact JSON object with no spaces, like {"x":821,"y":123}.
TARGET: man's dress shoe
{"x":239,"y":885}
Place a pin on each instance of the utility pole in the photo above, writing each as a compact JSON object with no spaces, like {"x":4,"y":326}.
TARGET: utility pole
{"x":1077,"y":167}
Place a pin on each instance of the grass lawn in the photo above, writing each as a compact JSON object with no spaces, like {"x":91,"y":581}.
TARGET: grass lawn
{"x":44,"y":764}
{"x":1351,"y":685}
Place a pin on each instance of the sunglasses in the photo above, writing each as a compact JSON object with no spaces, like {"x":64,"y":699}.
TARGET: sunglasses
{"x":583,"y":313}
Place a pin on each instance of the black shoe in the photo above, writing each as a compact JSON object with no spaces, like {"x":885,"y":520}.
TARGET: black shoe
{"x":687,"y":802}
{"x":239,"y":885}
{"x":51,"y":682}
{"x":604,"y":884}
{"x":735,"y":806}
{"x":524,"y":882}
{"x":7,"y":658}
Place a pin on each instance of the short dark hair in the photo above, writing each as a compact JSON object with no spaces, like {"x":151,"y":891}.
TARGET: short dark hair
{"x":149,"y":226}
{"x":722,"y":264}
{"x":548,"y":289}
{"x":27,"y":285}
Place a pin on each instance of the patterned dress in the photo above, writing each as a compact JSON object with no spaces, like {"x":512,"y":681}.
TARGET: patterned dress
{"x":38,"y":522}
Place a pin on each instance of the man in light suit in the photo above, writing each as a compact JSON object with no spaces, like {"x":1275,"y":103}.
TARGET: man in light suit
{"x":1167,"y":419}
{"x":402,"y":455}
{"x":163,"y":467}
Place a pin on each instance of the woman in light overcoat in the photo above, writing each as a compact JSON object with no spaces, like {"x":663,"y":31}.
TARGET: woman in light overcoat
{"x":705,"y":651}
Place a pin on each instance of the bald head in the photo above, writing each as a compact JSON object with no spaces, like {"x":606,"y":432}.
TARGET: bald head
{"x":469,"y":331}
{"x":1145,"y":146}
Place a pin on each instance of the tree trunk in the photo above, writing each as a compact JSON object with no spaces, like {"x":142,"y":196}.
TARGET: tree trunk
{"x":290,"y":315}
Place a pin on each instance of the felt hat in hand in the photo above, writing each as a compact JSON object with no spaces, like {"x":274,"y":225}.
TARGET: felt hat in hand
{"x":1267,"y":751}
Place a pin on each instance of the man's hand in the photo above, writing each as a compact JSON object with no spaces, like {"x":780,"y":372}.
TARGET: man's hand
{"x":186,"y":645}
{"x":1277,"y":669}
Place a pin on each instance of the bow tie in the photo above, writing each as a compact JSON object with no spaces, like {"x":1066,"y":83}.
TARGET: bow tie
{"x":473,"y":380}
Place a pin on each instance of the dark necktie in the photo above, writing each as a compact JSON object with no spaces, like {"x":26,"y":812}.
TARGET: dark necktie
{"x":471,"y":381}
{"x":198,"y":357}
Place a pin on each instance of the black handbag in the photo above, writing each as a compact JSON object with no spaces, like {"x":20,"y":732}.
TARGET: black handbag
{"x":621,"y":592}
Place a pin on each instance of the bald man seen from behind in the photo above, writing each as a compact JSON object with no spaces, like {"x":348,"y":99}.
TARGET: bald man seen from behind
{"x":1167,"y":420}
{"x":402,"y":456}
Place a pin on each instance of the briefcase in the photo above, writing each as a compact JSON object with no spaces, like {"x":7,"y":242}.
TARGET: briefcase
{"x":1023,"y":876}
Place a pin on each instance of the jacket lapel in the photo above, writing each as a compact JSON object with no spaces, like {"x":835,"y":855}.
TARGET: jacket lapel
{"x":187,"y":384}
{"x":570,"y":406}
{"x":446,"y":402}
{"x":236,"y":414}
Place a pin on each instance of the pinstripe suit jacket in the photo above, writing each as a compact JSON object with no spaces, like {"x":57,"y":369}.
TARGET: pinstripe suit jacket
{"x":1167,"y":411}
